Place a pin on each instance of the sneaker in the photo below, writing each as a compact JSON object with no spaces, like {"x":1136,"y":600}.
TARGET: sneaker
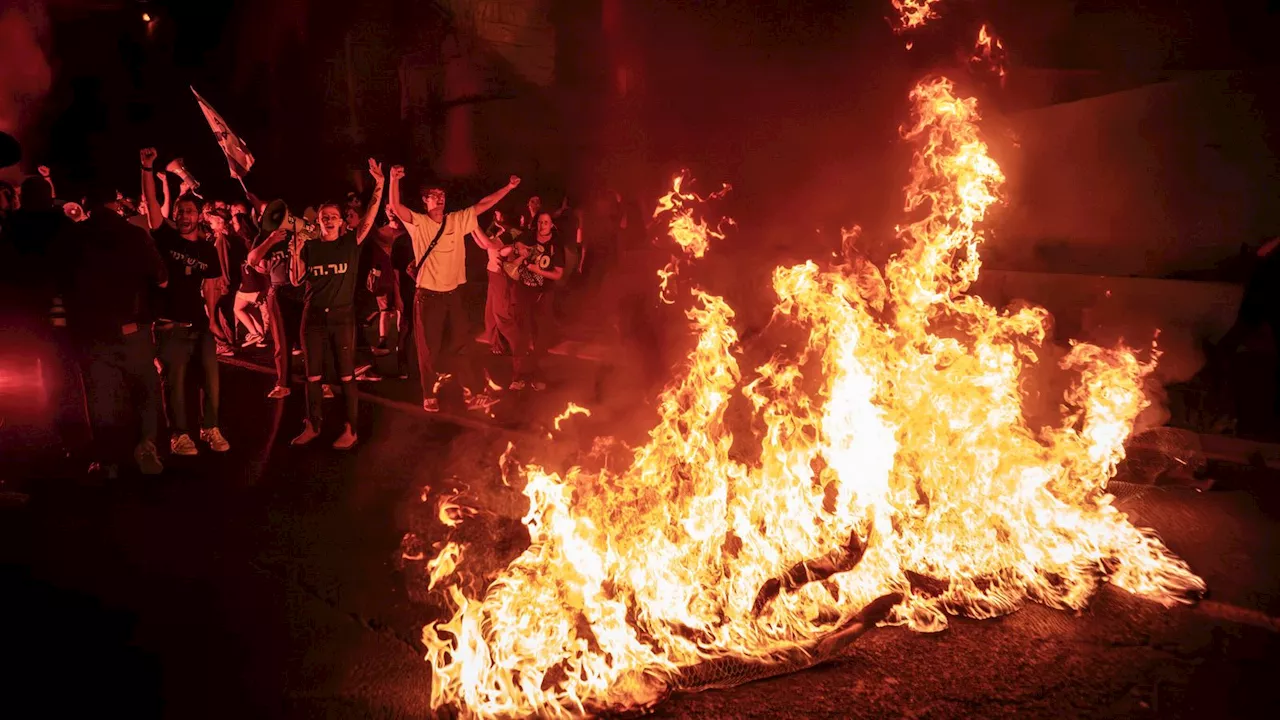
{"x":346,"y":440}
{"x":381,"y":350}
{"x":481,"y":401}
{"x":327,"y":391}
{"x":224,"y":350}
{"x":252,"y":340}
{"x":517,"y":385}
{"x":181,"y":444}
{"x":431,"y":405}
{"x":369,"y":375}
{"x":148,"y":458}
{"x":307,"y":435}
{"x":279,"y":392}
{"x":213,"y":436}
{"x":363,"y":369}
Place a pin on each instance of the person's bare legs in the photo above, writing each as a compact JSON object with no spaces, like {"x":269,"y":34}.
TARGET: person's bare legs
{"x":246,"y":318}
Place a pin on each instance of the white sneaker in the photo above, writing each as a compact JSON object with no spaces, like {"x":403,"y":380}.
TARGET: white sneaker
{"x":213,"y":436}
{"x":278,"y":392}
{"x":481,"y":402}
{"x":182,"y":445}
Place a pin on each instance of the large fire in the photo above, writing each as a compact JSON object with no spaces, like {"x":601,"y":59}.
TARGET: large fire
{"x":893,"y":434}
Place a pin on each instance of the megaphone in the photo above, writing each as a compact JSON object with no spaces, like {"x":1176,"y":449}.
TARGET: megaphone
{"x":276,"y":216}
{"x":179,"y":169}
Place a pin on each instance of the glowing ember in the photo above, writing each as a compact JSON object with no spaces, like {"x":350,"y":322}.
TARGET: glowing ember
{"x":915,"y":13}
{"x":893,"y":454}
{"x":989,"y":54}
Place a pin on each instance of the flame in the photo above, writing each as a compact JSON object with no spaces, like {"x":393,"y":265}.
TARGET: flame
{"x":692,"y":235}
{"x":451,"y":512}
{"x":989,"y":54}
{"x":444,"y":563}
{"x":914,"y":14}
{"x":898,"y":423}
{"x":570,"y":411}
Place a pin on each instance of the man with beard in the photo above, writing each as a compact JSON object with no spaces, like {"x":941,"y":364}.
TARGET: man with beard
{"x":106,"y":268}
{"x":182,"y":326}
{"x":439,"y":246}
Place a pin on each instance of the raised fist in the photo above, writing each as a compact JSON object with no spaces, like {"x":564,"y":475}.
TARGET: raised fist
{"x":397,"y":172}
{"x":148,"y":156}
{"x":375,"y":170}
{"x":514,"y":181}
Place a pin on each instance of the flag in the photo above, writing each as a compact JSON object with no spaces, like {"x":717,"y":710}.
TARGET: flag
{"x":239,"y":159}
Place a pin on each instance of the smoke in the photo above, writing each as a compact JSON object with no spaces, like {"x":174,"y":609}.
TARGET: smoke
{"x":25,"y":74}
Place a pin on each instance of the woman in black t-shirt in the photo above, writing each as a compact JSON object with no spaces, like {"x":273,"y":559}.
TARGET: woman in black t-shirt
{"x":535,"y":261}
{"x":328,"y":267}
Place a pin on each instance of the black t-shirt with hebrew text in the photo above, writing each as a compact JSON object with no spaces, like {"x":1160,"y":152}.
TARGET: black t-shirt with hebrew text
{"x":190,"y":263}
{"x":332,"y":270}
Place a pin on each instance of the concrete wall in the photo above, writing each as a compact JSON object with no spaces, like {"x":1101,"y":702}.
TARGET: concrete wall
{"x":1162,"y":179}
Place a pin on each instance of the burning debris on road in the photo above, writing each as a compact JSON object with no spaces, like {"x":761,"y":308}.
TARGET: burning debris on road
{"x":897,"y":479}
{"x":896,"y":482}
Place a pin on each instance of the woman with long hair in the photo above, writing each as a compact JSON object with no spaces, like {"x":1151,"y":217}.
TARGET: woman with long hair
{"x":534,"y":262}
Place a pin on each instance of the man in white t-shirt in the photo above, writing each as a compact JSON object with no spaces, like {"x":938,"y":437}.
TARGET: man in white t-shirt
{"x":439,"y":252}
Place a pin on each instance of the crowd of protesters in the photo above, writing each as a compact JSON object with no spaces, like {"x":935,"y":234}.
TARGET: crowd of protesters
{"x":148,"y":294}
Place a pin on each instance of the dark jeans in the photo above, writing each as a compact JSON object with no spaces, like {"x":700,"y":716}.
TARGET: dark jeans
{"x":123,"y":393}
{"x":283,"y":313}
{"x":177,"y":346}
{"x":432,"y":313}
{"x":536,"y":323}
{"x":325,"y":330}
{"x":526,"y":305}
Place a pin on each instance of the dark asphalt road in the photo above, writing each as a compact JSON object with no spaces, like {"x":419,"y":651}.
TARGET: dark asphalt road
{"x":266,"y":583}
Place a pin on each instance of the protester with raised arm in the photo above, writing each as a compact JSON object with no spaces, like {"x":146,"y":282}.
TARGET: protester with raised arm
{"x":439,"y":248}
{"x":106,"y":268}
{"x":329,"y":268}
{"x":182,"y":326}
